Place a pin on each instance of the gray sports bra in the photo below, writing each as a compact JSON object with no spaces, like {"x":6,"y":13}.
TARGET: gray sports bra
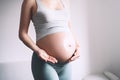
{"x":48,"y":21}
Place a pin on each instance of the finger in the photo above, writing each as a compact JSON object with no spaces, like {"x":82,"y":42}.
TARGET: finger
{"x":75,"y":53}
{"x":45,"y":59}
{"x":75,"y":56}
{"x":52,"y":59}
{"x":49,"y":60}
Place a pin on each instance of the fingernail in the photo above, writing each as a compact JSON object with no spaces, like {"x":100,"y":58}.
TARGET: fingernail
{"x":56,"y":61}
{"x":71,"y":59}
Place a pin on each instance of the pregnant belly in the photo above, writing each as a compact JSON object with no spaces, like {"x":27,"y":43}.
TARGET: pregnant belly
{"x":60,"y":45}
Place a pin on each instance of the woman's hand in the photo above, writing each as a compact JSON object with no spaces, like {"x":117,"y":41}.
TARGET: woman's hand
{"x":44,"y":56}
{"x":76,"y":54}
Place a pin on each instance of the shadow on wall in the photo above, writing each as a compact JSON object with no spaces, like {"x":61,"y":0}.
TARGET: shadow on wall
{"x":104,"y":35}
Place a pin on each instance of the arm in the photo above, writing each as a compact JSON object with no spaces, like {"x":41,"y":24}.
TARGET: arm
{"x":76,"y":40}
{"x":70,"y":22}
{"x":25,"y":17}
{"x":24,"y":25}
{"x":76,"y":53}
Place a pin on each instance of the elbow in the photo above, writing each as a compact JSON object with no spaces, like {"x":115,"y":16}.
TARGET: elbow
{"x":21,"y":36}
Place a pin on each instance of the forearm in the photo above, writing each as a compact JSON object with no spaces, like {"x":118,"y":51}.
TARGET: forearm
{"x":70,"y":27}
{"x":29,"y":42}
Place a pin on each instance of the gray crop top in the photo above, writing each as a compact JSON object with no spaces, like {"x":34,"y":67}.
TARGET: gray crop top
{"x":48,"y":21}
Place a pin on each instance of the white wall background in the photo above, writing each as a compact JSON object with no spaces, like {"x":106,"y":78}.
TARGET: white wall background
{"x":104,"y":35}
{"x":79,"y":14}
{"x":11,"y":48}
{"x":96,"y":24}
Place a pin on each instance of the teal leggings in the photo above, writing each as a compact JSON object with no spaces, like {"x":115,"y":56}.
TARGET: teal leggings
{"x":48,"y":71}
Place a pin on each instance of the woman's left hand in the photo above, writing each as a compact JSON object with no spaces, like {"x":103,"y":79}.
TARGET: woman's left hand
{"x":75,"y":55}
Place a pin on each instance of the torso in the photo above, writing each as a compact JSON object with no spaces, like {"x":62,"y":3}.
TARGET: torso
{"x":60,"y":45}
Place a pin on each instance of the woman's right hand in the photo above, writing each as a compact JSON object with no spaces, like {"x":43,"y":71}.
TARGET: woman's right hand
{"x":44,"y":56}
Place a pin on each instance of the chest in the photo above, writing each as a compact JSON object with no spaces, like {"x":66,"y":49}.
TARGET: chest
{"x":45,"y":14}
{"x":52,"y":4}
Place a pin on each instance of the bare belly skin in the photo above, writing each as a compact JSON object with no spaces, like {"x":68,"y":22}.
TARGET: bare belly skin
{"x":60,"y":45}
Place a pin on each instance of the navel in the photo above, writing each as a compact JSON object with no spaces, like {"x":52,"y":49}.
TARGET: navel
{"x":69,"y":45}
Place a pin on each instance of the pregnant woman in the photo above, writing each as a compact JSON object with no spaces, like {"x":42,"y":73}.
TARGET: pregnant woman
{"x":55,"y":47}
